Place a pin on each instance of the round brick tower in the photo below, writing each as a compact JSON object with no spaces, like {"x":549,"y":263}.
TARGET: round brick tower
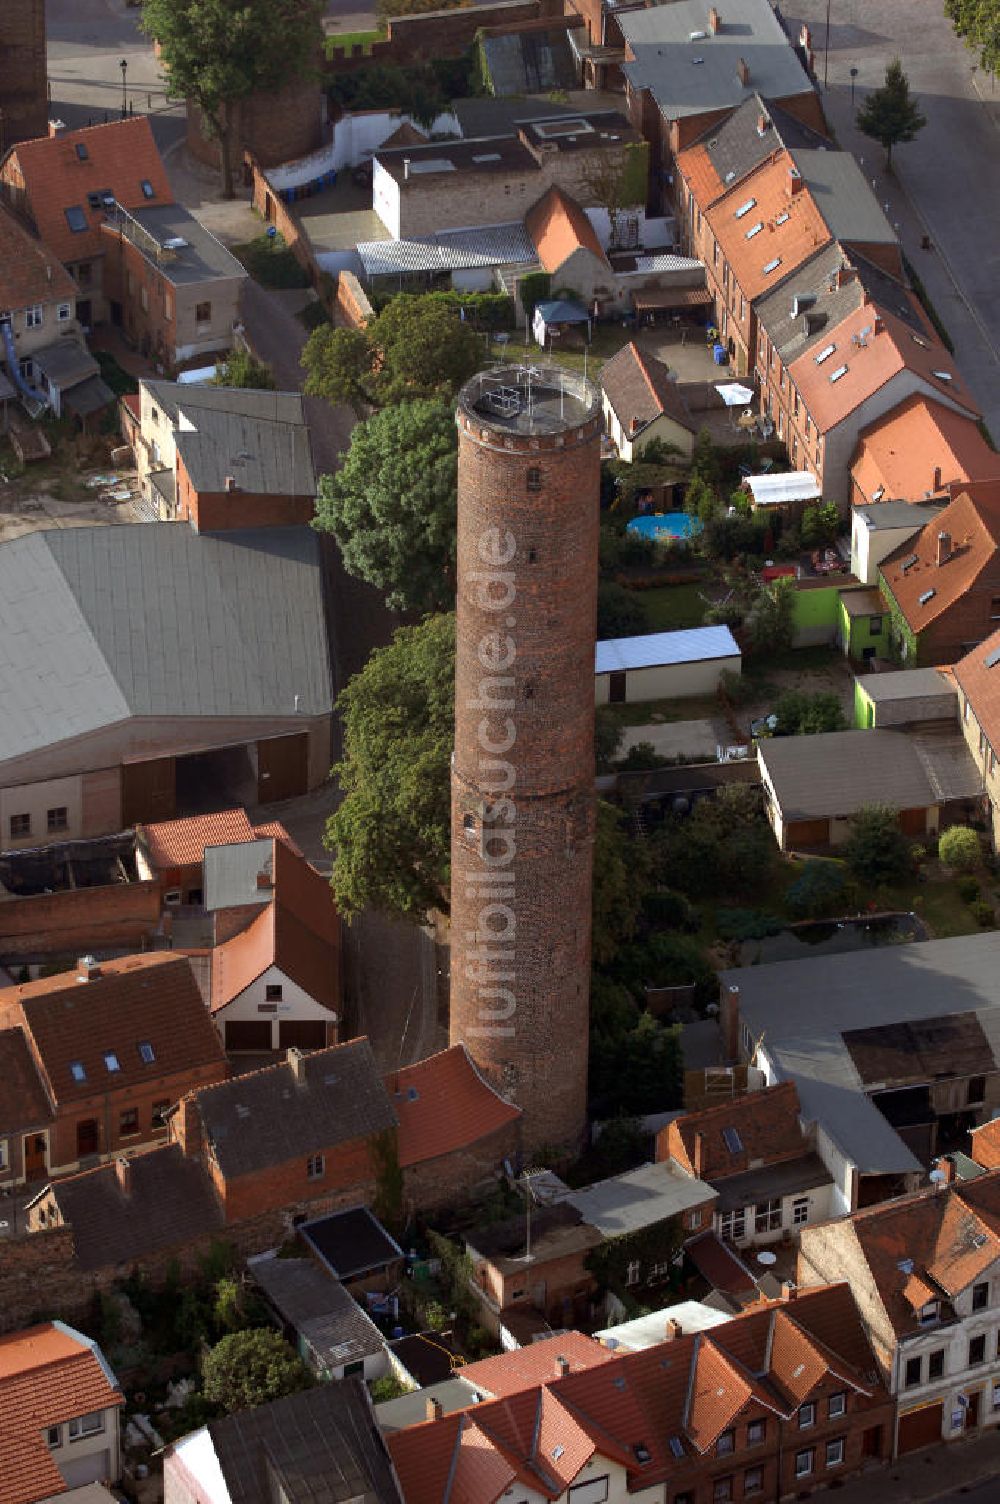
{"x":523,"y":769}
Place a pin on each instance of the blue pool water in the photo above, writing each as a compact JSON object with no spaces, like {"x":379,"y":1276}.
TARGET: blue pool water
{"x":667,"y":527}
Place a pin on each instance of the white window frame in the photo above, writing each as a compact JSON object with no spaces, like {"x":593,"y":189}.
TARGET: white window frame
{"x":79,"y":1429}
{"x":807,"y":1415}
{"x":34,"y":317}
{"x":64,"y":312}
{"x":807,"y":1453}
{"x":837,"y":1444}
{"x":800,"y":1211}
{"x":316,"y":1167}
{"x":841,"y":1403}
{"x":633,"y":1272}
{"x":53,"y":1437}
{"x":733,"y":1225}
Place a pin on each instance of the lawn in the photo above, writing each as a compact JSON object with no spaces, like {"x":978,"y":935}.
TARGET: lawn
{"x":938,"y":904}
{"x":607,"y":340}
{"x":673,"y":607}
{"x":663,"y":712}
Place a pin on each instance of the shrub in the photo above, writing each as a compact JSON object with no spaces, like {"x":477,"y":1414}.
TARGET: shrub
{"x":270,"y":261}
{"x":249,"y":1368}
{"x":959,"y":848}
{"x":817,"y":890}
{"x":745,"y":924}
{"x":619,"y":612}
{"x":968,"y":888}
{"x":668,"y":910}
{"x":734,"y":689}
{"x":877,"y":853}
{"x":983,"y":913}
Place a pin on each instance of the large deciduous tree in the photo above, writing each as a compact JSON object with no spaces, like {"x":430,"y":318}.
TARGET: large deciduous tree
{"x":390,"y":836}
{"x":978,"y":23}
{"x":392,"y":504}
{"x":251,"y":1367}
{"x":220,"y":52}
{"x":890,"y":115}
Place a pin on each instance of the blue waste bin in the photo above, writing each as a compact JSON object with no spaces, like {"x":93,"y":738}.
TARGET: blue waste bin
{"x":719,"y":355}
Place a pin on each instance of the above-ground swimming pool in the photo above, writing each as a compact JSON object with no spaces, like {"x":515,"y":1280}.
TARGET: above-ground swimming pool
{"x":666,"y":527}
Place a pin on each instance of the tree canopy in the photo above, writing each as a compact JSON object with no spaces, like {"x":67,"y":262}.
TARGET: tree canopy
{"x":890,"y":115}
{"x":392,"y":505}
{"x":219,"y":52}
{"x":251,"y":1367}
{"x":620,"y":612}
{"x":802,"y":714}
{"x":240,"y":368}
{"x":417,"y":346}
{"x":978,"y":23}
{"x":877,"y":852}
{"x":390,"y":835}
{"x":772,"y":617}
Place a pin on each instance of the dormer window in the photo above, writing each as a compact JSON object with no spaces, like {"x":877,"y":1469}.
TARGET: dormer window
{"x":928,"y":1313}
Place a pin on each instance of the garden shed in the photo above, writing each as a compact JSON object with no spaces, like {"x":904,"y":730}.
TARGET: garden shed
{"x":664,"y":665}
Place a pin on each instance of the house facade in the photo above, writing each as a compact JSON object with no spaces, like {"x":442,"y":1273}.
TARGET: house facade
{"x":979,"y":717}
{"x":642,"y":405}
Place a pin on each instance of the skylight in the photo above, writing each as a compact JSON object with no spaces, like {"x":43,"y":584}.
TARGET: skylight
{"x":918,"y":339}
{"x":909,"y":562}
{"x":77,"y":1071}
{"x":755,"y":229}
{"x":878,"y":493}
{"x":112,"y":1062}
{"x":942,"y":375}
{"x":770,"y":266}
{"x":82,"y":151}
{"x":751,"y":203}
{"x":75,"y":218}
{"x":148,"y":191}
{"x":836,"y":375}
{"x":824,"y":354}
{"x":676,"y":1446}
{"x":642,"y":1453}
{"x":557,"y":1452}
{"x":732,"y":1140}
{"x":992,"y":659}
{"x":146,"y":1052}
{"x":928,"y":595}
{"x":783,"y":217}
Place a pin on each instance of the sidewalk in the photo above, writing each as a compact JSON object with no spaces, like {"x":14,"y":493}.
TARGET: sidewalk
{"x":950,"y":1469}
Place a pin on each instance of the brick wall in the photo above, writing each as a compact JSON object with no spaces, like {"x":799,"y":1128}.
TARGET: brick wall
{"x":220,"y":511}
{"x":148,"y":301}
{"x":350,"y":303}
{"x":439,"y":33}
{"x":120,"y":916}
{"x":23,"y":96}
{"x":348,"y":1174}
{"x":269,"y":205}
{"x":454,"y":1177}
{"x":272,"y":127}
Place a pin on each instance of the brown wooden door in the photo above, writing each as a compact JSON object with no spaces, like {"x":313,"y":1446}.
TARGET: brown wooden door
{"x":88,"y":1137}
{"x":35,"y":1159}
{"x":921,"y":1428}
{"x":871,"y":1442}
{"x":913,"y":822}
{"x":282,"y":767}
{"x":248,"y":1034}
{"x":972,"y":1411}
{"x":302,"y":1033}
{"x":149,"y":791}
{"x":807,"y":833}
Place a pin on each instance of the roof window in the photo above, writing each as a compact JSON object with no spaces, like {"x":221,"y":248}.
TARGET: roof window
{"x":751,"y":203}
{"x":992,"y":659}
{"x":942,"y":375}
{"x":732,"y":1140}
{"x":148,"y":191}
{"x":82,"y":151}
{"x":112,"y":1062}
{"x":676,"y":1446}
{"x":77,"y":1071}
{"x":770,"y":266}
{"x":836,"y":375}
{"x":75,"y":218}
{"x":928,"y":595}
{"x":755,"y":229}
{"x":909,"y":562}
{"x":146,"y":1052}
{"x":878,"y":493}
{"x":824,"y":354}
{"x":783,"y":217}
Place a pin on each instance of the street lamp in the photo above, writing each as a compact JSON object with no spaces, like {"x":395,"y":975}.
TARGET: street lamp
{"x":854,"y":74}
{"x":826,"y":44}
{"x":123,"y":65}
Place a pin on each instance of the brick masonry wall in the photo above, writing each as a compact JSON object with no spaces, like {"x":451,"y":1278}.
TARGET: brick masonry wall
{"x":272,"y":127}
{"x":118,"y":916}
{"x":350,"y":303}
{"x":453,"y":1177}
{"x":268,"y":204}
{"x":23,"y":94}
{"x":524,"y":729}
{"x":439,"y":33}
{"x":220,"y":511}
{"x":128,"y":279}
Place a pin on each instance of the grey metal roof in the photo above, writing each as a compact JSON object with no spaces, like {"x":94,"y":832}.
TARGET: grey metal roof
{"x":101,"y":624}
{"x":452,"y":250}
{"x":260,"y":454}
{"x":950,"y":767}
{"x":326,"y":1317}
{"x":824,"y":304}
{"x":906,"y":684}
{"x":803,"y":1016}
{"x":273,"y":1116}
{"x":893,"y":514}
{"x":788,"y":1178}
{"x":491,"y":116}
{"x":833,"y":774}
{"x":640,"y":1198}
{"x":173,"y":397}
{"x":231,"y":873}
{"x":321,"y":1446}
{"x":736,"y":146}
{"x":843,"y":196}
{"x":667,"y":60}
{"x":65,"y":363}
{"x":88,"y":397}
{"x":201,"y":258}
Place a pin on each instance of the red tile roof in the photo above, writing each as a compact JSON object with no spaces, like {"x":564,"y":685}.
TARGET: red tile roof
{"x":23,"y":1103}
{"x":558,"y":226}
{"x":118,"y":157}
{"x":986,"y":1138}
{"x":924,"y":589}
{"x":181,"y":843}
{"x":719,"y":1265}
{"x":917,"y":448}
{"x":150,"y":999}
{"x":792,"y":228}
{"x":979,"y":679}
{"x":443,"y":1104}
{"x":762,"y":1125}
{"x":524,"y":1367}
{"x":48,"y":1375}
{"x":29,"y":273}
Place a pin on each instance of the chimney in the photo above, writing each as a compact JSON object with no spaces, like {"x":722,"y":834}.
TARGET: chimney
{"x":230,"y":482}
{"x":296,"y":1062}
{"x":730,"y":1020}
{"x":674,"y":1329}
{"x":562,"y":1367}
{"x":788,"y":1290}
{"x":185,"y":1126}
{"x":743,"y":71}
{"x":87,"y":969}
{"x":763,"y":124}
{"x":795,"y":184}
{"x":406,"y":169}
{"x":56,"y":127}
{"x":634,"y":427}
{"x":265,"y":882}
{"x":846,"y":274}
{"x":878,"y":327}
{"x":943,"y":548}
{"x":937,"y":478}
{"x":433,"y":1409}
{"x":946,"y":1165}
{"x":123,"y":1174}
{"x":714,"y":23}
{"x":699,"y":1154}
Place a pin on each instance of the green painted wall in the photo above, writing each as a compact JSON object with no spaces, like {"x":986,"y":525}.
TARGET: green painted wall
{"x":855,"y":633}
{"x":817,"y":608}
{"x":900,"y":632}
{"x":864,"y":708}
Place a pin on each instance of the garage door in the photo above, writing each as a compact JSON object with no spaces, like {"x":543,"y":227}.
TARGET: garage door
{"x":248,"y":1034}
{"x":921,"y":1428}
{"x":282,"y":767}
{"x":303,"y":1034}
{"x":807,"y":833}
{"x":913,"y":822}
{"x":149,"y":791}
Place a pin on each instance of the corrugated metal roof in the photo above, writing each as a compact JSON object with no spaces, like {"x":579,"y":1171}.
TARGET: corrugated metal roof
{"x":773,"y":490}
{"x":665,"y":261}
{"x":100,"y":624}
{"x":452,"y":250}
{"x":657,"y":649}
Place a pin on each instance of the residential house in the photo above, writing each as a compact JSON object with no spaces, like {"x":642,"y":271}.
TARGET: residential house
{"x":659,"y":665}
{"x":569,"y":250}
{"x":925,"y":1272}
{"x":534,"y":1262}
{"x":44,"y":352}
{"x":177,"y":285}
{"x":893,"y":1050}
{"x":321,"y":1442}
{"x":491,"y":180}
{"x":905,"y":699}
{"x":63,"y":184}
{"x":813,"y":785}
{"x":182,"y":457}
{"x":643,"y":404}
{"x":354,"y":1248}
{"x":25,"y":1112}
{"x":111,"y":733}
{"x":59,"y":1429}
{"x":979,"y":716}
{"x":782,"y":1399}
{"x":652,"y":1330}
{"x":879,"y":529}
{"x":942,"y":587}
{"x":113,"y":1045}
{"x":276,"y":961}
{"x":918,"y":450}
{"x":752,"y":1150}
{"x":331,"y":1332}
{"x":689,"y":64}
{"x":173,"y":851}
{"x":985,"y":1144}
